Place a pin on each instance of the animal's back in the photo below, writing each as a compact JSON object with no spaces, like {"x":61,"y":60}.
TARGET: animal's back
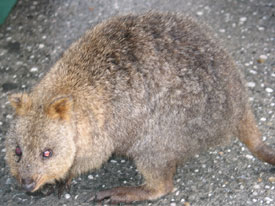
{"x":172,"y":88}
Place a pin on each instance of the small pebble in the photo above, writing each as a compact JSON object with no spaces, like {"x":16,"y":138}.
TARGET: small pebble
{"x":271,"y":179}
{"x":251,"y":84}
{"x":257,"y":187}
{"x":260,"y":28}
{"x":34,"y":69}
{"x":249,"y":156}
{"x":263,"y":119}
{"x":253,"y":71}
{"x":9,"y":116}
{"x":186,"y":204}
{"x":269,"y":90}
{"x":262,"y":59}
{"x":243,"y":19}
{"x":8,"y":181}
{"x":199,"y":13}
{"x":67,"y":196}
{"x":260,"y":179}
{"x":41,"y":46}
{"x":268,"y":200}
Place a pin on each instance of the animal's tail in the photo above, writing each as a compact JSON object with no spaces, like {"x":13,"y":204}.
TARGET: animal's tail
{"x":250,"y":135}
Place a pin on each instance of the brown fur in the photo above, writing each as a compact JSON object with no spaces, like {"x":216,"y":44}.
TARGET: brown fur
{"x":154,"y":87}
{"x":60,"y":109}
{"x":21,"y":103}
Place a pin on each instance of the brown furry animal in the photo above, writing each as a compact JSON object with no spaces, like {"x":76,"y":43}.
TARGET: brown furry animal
{"x":153,"y":87}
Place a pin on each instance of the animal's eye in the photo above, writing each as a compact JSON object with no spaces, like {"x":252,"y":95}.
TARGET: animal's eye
{"x":47,"y":153}
{"x":18,"y":151}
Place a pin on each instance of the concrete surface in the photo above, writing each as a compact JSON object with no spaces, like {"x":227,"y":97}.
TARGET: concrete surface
{"x":37,"y":32}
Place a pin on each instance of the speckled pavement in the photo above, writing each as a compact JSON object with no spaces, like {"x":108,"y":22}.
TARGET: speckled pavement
{"x":37,"y":32}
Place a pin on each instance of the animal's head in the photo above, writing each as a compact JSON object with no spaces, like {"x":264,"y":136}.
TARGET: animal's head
{"x":40,"y":144}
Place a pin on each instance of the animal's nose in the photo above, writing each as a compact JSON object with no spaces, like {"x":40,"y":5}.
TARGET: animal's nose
{"x":28,"y":184}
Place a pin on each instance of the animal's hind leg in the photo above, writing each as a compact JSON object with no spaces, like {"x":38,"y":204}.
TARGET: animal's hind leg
{"x":158,"y":182}
{"x":250,"y":135}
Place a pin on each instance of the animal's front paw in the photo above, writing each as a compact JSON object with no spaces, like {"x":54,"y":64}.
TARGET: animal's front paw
{"x":62,"y":186}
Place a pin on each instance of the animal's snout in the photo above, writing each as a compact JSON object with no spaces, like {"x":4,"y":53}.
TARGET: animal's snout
{"x":28,"y":184}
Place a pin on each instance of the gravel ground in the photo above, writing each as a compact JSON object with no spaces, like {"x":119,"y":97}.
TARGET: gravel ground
{"x":37,"y":32}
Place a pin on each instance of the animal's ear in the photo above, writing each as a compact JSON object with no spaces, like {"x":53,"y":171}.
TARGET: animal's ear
{"x":60,"y":108}
{"x":21,"y":102}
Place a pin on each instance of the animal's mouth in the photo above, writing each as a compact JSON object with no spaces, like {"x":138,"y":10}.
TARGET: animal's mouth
{"x":33,"y":184}
{"x":28,"y":184}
